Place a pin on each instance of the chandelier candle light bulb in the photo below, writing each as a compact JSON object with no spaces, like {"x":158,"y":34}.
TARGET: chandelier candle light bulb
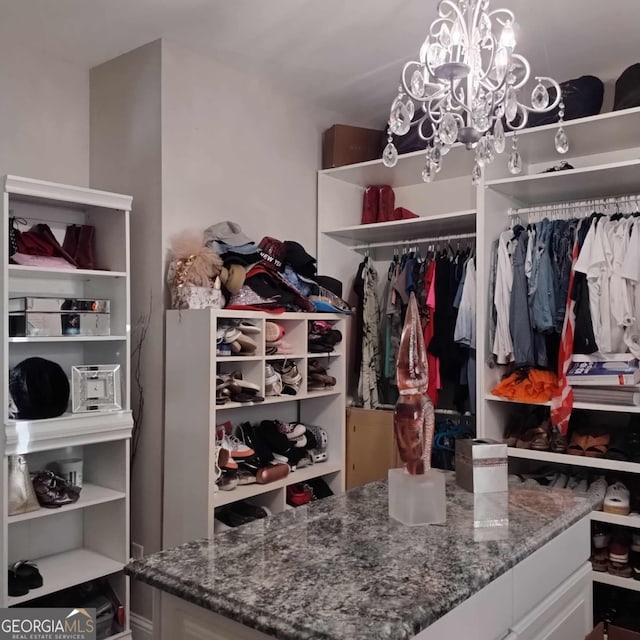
{"x":465,"y":87}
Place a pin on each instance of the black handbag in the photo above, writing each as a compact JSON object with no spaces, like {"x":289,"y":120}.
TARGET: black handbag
{"x":627,"y":93}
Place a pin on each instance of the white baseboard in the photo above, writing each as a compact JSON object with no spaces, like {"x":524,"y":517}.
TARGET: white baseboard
{"x":141,"y":627}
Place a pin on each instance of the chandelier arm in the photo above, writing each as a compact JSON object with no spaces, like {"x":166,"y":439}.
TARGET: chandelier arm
{"x":550,"y":106}
{"x":454,"y":9}
{"x":459,"y":102}
{"x":502,"y":12}
{"x":486,"y":73}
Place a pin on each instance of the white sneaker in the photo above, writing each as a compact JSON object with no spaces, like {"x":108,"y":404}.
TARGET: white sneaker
{"x":616,"y":500}
{"x":596,"y":492}
{"x":236,"y":448}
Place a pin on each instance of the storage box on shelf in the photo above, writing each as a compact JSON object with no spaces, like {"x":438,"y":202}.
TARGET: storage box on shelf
{"x":192,"y":414}
{"x":88,"y":539}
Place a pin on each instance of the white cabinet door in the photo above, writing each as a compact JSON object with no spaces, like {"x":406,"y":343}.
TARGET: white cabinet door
{"x":564,"y":615}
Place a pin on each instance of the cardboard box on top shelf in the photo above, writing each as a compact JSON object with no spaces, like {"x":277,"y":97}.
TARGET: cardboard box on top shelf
{"x":343,"y":144}
{"x":615,"y":633}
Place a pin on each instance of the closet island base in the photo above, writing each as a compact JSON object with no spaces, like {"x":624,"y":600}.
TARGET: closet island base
{"x":341,"y":568}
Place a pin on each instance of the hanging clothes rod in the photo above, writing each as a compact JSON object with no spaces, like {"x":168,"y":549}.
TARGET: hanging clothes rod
{"x":578,"y":204}
{"x":433,"y":240}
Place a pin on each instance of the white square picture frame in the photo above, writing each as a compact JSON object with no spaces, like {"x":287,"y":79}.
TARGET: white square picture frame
{"x":95,"y":388}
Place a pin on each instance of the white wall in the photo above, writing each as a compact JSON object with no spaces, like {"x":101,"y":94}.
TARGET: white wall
{"x":236,"y":149}
{"x":126,"y":157}
{"x":195,"y":143}
{"x":44,"y":116}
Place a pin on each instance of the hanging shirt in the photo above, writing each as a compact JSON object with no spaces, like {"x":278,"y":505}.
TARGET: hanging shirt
{"x":465,"y":331}
{"x":370,"y":366}
{"x":631,"y":272}
{"x":619,"y":300}
{"x":502,"y":344}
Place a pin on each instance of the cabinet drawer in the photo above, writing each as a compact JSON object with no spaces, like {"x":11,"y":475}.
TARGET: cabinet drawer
{"x":546,"y":569}
{"x":478,"y":617}
{"x":565,"y":614}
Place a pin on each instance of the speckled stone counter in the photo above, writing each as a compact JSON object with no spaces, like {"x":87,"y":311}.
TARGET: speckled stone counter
{"x":341,"y":569}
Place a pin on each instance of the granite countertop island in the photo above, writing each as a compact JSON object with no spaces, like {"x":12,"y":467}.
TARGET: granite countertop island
{"x":340,"y":568}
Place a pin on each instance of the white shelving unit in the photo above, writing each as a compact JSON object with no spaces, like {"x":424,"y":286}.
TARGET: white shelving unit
{"x":605,"y":154}
{"x":605,"y":151}
{"x":88,"y":539}
{"x":191,"y":414}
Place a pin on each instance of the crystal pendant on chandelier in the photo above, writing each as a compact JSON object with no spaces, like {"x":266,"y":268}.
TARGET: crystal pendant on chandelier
{"x":476,"y":175}
{"x":539,"y":97}
{"x":561,"y":141}
{"x":428,"y":174}
{"x":448,"y":129}
{"x":417,"y":83}
{"x":499,"y":141}
{"x":468,"y":86}
{"x":511,"y":105}
{"x":390,"y":155}
{"x":436,"y":159}
{"x":515,"y":159}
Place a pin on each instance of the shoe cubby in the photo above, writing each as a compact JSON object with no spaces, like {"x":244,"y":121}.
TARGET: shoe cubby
{"x":239,"y":338}
{"x":324,"y":337}
{"x":190,"y":491}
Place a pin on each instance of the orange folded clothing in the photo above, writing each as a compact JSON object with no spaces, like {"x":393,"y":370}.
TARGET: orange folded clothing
{"x":536,"y":386}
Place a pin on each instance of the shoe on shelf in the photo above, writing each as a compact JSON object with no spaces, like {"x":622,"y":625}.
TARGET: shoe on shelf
{"x":273,"y":331}
{"x":16,"y":586}
{"x":28,"y":572}
{"x":560,"y":481}
{"x":600,"y":560}
{"x":293,"y":430}
{"x":245,"y":476}
{"x":619,"y":549}
{"x":291,"y":378}
{"x":248,"y":510}
{"x":227,"y":481}
{"x":272,"y":381}
{"x":301,"y":441}
{"x":247,"y":327}
{"x":634,"y":556}
{"x":232,"y":518}
{"x":557,"y":441}
{"x":597,"y":491}
{"x":600,"y":538}
{"x":227,"y":440}
{"x":616,"y":500}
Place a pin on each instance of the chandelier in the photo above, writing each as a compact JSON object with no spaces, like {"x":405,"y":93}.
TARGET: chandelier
{"x":465,"y":87}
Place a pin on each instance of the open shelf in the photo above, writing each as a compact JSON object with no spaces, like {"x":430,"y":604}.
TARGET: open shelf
{"x":247,"y":491}
{"x":90,"y":495}
{"x":21,"y":271}
{"x":632,"y":520}
{"x":577,"y":461}
{"x":33,"y":339}
{"x":67,"y":569}
{"x":615,"y":581}
{"x":398,"y":230}
{"x":588,"y":406}
{"x":456,"y":164}
{"x":613,"y":179}
{"x":604,"y":132}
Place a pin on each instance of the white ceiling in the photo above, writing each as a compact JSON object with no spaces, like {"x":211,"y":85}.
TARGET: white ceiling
{"x":344,"y":55}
